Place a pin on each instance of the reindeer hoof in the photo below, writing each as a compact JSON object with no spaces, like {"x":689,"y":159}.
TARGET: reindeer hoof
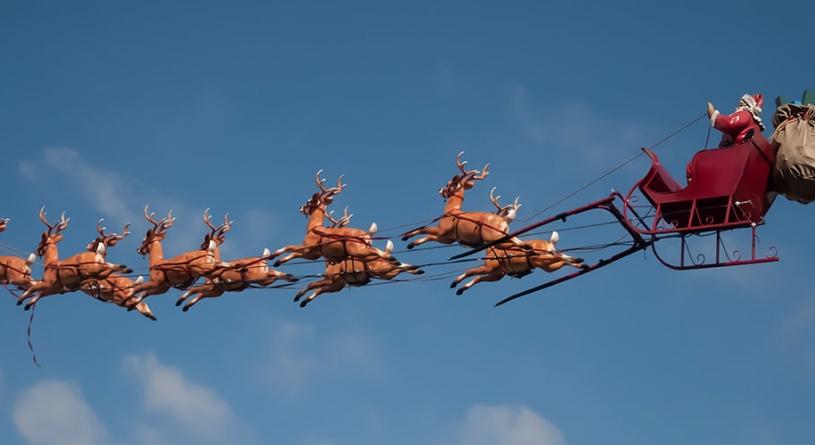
{"x":152,"y":317}
{"x":277,"y":263}
{"x":405,"y":238}
{"x":460,"y":291}
{"x":292,"y":279}
{"x":453,"y":285}
{"x":28,"y":306}
{"x":297,"y":298}
{"x":186,"y":308}
{"x":411,"y":245}
{"x":127,"y":271}
{"x":303,"y":303}
{"x":419,"y":272}
{"x":179,"y":301}
{"x":20,"y":301}
{"x":585,"y":266}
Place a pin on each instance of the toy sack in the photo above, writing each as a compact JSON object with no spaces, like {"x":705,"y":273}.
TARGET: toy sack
{"x":794,"y":138}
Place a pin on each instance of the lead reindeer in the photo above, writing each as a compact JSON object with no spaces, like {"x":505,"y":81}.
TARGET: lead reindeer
{"x":178,"y":272}
{"x":332,"y":243}
{"x":232,"y":276}
{"x":15,"y":271}
{"x":355,"y":272}
{"x":518,"y":262}
{"x":116,"y":288}
{"x":66,"y":275}
{"x":467,"y":228}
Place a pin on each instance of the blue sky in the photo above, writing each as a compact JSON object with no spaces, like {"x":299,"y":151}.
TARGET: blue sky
{"x":189,"y":105}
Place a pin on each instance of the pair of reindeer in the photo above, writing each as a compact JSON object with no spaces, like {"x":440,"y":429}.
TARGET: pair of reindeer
{"x":350,"y":257}
{"x":87,"y":271}
{"x":513,"y":257}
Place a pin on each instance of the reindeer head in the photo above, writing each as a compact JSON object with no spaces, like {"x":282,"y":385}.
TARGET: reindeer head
{"x":155,"y":233}
{"x":103,"y":241}
{"x":508,"y":212}
{"x":324,"y":198}
{"x":3,"y":223}
{"x":216,"y":235}
{"x":464,"y":180}
{"x":54,"y":233}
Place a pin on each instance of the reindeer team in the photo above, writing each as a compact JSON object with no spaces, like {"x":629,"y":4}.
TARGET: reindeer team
{"x":350,"y":257}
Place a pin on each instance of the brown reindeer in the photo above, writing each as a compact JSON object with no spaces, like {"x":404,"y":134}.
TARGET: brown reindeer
{"x":355,"y":272}
{"x":467,"y":228}
{"x":15,"y":271}
{"x":67,"y":275}
{"x":116,"y":288}
{"x":178,"y":272}
{"x":518,"y":262}
{"x":235,"y":276}
{"x":332,"y":243}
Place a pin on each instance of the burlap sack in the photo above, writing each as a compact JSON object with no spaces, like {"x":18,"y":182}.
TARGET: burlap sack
{"x":794,"y":136}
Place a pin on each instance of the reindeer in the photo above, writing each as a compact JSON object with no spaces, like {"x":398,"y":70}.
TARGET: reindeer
{"x":356,"y":272}
{"x":233,"y":276}
{"x":518,"y":262}
{"x":178,"y":272}
{"x":65,"y":275}
{"x":332,"y":243}
{"x":467,"y":228}
{"x":15,"y":271}
{"x":116,"y":288}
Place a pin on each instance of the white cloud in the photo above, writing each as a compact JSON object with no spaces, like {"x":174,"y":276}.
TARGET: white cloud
{"x":55,"y":412}
{"x":506,"y":425}
{"x":296,"y":356}
{"x":189,"y":408}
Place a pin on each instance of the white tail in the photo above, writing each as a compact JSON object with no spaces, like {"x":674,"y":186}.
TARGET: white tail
{"x":266,"y":252}
{"x":140,"y":280}
{"x":31,"y":259}
{"x":389,"y":246}
{"x":373,"y":228}
{"x":554,"y":238}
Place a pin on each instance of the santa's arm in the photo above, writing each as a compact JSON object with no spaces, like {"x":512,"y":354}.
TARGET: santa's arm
{"x":729,"y":123}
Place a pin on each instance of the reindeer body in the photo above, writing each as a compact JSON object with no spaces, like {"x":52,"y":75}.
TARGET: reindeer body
{"x":66,"y":275}
{"x":118,"y":290}
{"x":355,"y":272}
{"x":517,"y":262}
{"x":15,"y":271}
{"x":332,"y":243}
{"x":234,"y":276}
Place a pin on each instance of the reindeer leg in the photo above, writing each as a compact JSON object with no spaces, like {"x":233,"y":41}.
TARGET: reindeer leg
{"x":432,"y":234}
{"x":144,"y":309}
{"x":480,"y":270}
{"x":288,"y":258}
{"x":310,"y":286}
{"x":335,"y":286}
{"x":190,"y":291}
{"x":494,"y":276}
{"x":211,"y":293}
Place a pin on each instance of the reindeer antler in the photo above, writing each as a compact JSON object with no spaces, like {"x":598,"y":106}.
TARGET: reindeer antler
{"x":471,"y":174}
{"x":506,"y":210}
{"x":320,"y":181}
{"x":166,"y":223}
{"x":346,"y":218}
{"x":45,"y":221}
{"x":149,"y":217}
{"x":494,"y":199}
{"x":461,"y":164}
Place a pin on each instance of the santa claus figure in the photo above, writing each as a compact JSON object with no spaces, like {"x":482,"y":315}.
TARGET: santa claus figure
{"x":736,"y":127}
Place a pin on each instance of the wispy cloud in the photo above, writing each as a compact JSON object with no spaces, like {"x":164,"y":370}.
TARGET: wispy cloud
{"x":55,"y":413}
{"x":297,"y":355}
{"x":506,"y":425}
{"x":188,"y":407}
{"x":574,"y":129}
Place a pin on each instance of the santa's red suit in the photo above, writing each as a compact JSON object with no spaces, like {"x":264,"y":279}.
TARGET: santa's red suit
{"x":736,"y":126}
